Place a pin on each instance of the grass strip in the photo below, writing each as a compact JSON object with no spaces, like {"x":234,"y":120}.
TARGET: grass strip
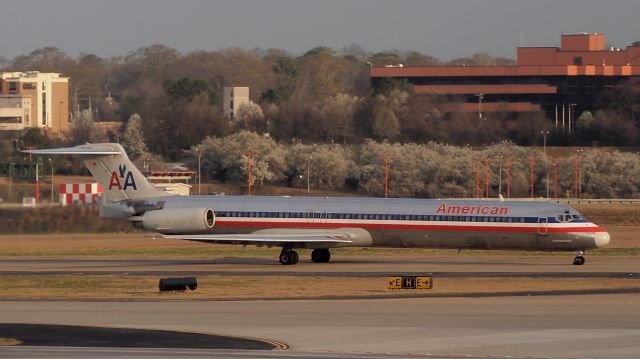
{"x":123,"y":287}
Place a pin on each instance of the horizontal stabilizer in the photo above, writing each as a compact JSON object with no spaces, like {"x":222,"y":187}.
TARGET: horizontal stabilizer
{"x":78,"y":150}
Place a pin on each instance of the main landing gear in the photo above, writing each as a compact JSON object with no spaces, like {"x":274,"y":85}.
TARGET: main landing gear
{"x":288,"y":256}
{"x":321,"y":255}
{"x":579,"y":259}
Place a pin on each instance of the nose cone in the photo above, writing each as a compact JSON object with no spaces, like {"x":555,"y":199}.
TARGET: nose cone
{"x":602,"y":239}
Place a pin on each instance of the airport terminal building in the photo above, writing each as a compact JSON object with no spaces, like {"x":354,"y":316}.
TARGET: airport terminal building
{"x":550,"y":79}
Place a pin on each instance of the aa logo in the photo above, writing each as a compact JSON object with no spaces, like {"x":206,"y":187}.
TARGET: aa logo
{"x":122,"y":175}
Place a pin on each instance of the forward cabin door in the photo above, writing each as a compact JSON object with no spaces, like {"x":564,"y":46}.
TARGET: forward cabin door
{"x":543,"y":226}
{"x":543,"y":230}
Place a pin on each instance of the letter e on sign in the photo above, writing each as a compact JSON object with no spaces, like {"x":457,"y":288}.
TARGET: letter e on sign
{"x":424,"y":283}
{"x":395,"y":282}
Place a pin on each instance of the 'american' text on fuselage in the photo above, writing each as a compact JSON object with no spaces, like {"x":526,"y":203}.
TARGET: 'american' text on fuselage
{"x":478,"y":210}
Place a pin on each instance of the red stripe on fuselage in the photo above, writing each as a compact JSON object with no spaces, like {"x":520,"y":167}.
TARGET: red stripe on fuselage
{"x":397,"y":226}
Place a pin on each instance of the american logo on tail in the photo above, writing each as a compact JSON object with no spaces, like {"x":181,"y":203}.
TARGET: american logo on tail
{"x":125,"y":175}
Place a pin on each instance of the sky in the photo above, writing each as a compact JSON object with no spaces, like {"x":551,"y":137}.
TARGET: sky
{"x":445,"y":29}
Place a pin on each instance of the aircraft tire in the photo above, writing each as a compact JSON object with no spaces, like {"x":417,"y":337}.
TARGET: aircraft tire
{"x":321,"y":255}
{"x":578,"y":261}
{"x":289,"y":257}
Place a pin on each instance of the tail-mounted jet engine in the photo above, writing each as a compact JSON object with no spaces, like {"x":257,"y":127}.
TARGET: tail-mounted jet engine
{"x":177,"y":221}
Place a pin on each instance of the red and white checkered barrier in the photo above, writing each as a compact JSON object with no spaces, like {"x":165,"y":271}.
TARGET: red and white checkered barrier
{"x":79,"y":193}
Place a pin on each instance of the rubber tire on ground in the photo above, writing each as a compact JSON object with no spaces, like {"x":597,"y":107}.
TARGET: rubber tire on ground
{"x":295,"y":258}
{"x":321,"y":255}
{"x":289,"y":257}
{"x":578,"y":261}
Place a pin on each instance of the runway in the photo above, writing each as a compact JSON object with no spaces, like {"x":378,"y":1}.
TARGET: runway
{"x":448,"y":267}
{"x":598,"y":326}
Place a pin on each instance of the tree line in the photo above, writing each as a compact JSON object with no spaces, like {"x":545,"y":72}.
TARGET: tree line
{"x":321,"y":96}
{"x":431,"y":170}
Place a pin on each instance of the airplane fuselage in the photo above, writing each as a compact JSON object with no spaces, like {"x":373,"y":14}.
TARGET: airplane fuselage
{"x":446,"y":223}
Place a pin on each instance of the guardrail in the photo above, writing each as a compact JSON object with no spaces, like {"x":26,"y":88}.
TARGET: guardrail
{"x":596,"y":201}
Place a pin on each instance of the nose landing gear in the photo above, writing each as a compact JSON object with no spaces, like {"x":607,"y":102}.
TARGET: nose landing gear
{"x":579,"y":259}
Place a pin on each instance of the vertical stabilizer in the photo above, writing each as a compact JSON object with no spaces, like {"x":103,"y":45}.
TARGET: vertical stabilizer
{"x":110,"y":166}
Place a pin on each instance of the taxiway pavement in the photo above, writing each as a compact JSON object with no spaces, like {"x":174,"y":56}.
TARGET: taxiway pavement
{"x":590,"y":326}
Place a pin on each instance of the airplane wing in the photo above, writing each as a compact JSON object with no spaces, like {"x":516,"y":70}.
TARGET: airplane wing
{"x":267,"y":239}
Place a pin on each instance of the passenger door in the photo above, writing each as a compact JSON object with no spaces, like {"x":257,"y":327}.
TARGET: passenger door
{"x":543,"y":226}
{"x":543,"y":230}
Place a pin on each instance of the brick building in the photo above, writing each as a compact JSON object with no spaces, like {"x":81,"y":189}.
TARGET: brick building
{"x":551,"y":79}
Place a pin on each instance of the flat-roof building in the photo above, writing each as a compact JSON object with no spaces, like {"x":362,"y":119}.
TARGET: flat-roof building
{"x":233,"y":98}
{"x":34,"y":99}
{"x":543,"y":78}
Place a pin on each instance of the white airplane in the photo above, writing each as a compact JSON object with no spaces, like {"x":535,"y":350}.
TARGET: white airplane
{"x":324,"y":223}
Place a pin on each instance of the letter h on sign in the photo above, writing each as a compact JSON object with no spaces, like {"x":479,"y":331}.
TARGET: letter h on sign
{"x":408,"y":282}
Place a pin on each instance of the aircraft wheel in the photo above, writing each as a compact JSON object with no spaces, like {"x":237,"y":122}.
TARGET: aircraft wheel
{"x":321,"y":255}
{"x":578,"y":260}
{"x":295,"y":258}
{"x":289,"y":257}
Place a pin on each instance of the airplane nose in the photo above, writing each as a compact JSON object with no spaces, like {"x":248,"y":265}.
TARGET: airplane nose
{"x":602,"y":239}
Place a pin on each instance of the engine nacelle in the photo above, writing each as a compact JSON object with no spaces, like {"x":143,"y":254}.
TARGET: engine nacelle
{"x":178,"y":221}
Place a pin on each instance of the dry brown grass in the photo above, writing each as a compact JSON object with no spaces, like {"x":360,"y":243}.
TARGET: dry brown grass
{"x":88,"y":287}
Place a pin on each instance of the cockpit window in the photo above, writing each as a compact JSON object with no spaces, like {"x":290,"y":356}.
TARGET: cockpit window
{"x":568,"y":217}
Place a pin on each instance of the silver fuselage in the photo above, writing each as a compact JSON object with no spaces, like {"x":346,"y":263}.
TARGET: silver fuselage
{"x":430,"y":223}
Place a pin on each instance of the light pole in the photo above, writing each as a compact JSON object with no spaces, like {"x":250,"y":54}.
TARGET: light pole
{"x":386,"y":159}
{"x":480,"y":97}
{"x":199,"y":156}
{"x":300,"y":194}
{"x":500,"y":176}
{"x":544,"y":150}
{"x":572,"y":107}
{"x":37,"y":183}
{"x":544,"y":142}
{"x":51,"y":163}
{"x":249,"y":155}
{"x":308,"y":174}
